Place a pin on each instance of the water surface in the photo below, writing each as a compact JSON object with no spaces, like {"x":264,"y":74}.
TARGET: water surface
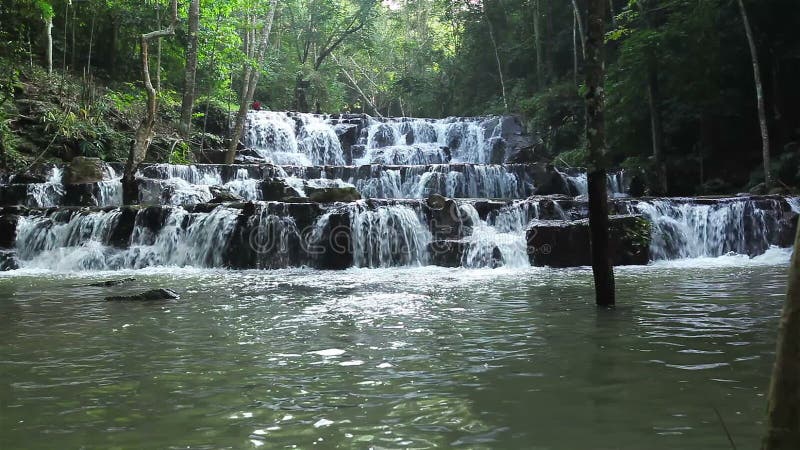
{"x":391,"y":358}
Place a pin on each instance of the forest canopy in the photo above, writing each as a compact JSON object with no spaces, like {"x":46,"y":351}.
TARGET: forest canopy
{"x":679,"y":80}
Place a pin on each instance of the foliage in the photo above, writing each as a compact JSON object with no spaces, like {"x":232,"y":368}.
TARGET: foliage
{"x":431,"y":58}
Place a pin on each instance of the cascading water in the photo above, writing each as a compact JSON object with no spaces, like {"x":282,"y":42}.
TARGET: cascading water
{"x":683,"y":229}
{"x":388,"y":236}
{"x":189,"y":185}
{"x":48,"y":194}
{"x":299,"y":139}
{"x":408,"y":141}
{"x":500,"y":240}
{"x":83,"y":241}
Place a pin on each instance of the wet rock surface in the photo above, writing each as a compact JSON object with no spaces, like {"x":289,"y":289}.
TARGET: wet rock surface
{"x":147,"y":296}
{"x":561,"y":243}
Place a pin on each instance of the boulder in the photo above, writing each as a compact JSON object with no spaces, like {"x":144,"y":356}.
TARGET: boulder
{"x":8,"y":260}
{"x":331,"y":248}
{"x":151,"y":295}
{"x":223,"y":195}
{"x":81,"y":194}
{"x":383,"y":136}
{"x":561,"y":243}
{"x":445,"y":219}
{"x":276,"y":190}
{"x":8,"y":230}
{"x":332,"y":194}
{"x":120,"y":236}
{"x":84,"y":170}
{"x":447,"y":253}
{"x":13,"y":194}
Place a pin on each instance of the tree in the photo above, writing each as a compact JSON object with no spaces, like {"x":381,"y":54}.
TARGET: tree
{"x":783,"y":411}
{"x":602,"y":268}
{"x":762,"y":110}
{"x":144,"y":133}
{"x":255,"y":51}
{"x":191,"y":69}
{"x":323,"y":27}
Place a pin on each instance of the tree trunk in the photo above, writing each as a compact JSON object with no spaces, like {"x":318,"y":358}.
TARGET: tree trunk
{"x":191,"y":69}
{"x":48,"y":30}
{"x":144,"y":133}
{"x":602,"y":268}
{"x":613,"y":13}
{"x":762,"y":110}
{"x":250,"y":83}
{"x":158,"y":48}
{"x":499,"y":66}
{"x":656,"y":129}
{"x":579,"y":20}
{"x":783,"y":410}
{"x":537,"y":36}
{"x":74,"y":54}
{"x":574,"y":49}
{"x":549,"y":33}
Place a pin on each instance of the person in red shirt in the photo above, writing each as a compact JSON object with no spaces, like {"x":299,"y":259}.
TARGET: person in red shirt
{"x":257,"y":105}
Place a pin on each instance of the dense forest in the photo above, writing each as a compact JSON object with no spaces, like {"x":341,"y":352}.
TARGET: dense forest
{"x":682,"y":103}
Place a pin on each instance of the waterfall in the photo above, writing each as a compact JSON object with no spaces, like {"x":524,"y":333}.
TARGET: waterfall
{"x":298,"y":139}
{"x":499,"y":240}
{"x":48,"y":194}
{"x":386,"y":236}
{"x":70,"y":240}
{"x":190,"y":185}
{"x":454,"y":181}
{"x":685,"y":229}
{"x":409,"y":141}
{"x":578,"y":183}
{"x":67,"y":240}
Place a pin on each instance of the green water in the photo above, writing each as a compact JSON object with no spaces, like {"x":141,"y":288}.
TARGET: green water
{"x":400,"y":358}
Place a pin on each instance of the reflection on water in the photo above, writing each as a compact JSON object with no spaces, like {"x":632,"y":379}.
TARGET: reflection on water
{"x":392,"y":358}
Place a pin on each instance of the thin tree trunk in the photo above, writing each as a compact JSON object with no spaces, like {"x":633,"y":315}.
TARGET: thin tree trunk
{"x":613,"y":13}
{"x":783,"y":410}
{"x":656,"y":128}
{"x":91,"y":44}
{"x":64,"y":43}
{"x":30,"y":46}
{"x":602,"y":268}
{"x":579,"y":19}
{"x":575,"y":49}
{"x":250,"y":82}
{"x":73,"y":54}
{"x":537,"y":36}
{"x":549,"y":33}
{"x":191,"y":69}
{"x":48,"y":30}
{"x":762,"y":110}
{"x":144,"y":133}
{"x":158,"y":47}
{"x":499,"y":66}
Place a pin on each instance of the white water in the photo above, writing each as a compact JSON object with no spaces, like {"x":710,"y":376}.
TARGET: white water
{"x":190,"y":185}
{"x":682,"y":229}
{"x":301,"y":139}
{"x":388,"y":236}
{"x":498,"y":242}
{"x":479,"y":181}
{"x":411,"y":141}
{"x":48,"y":194}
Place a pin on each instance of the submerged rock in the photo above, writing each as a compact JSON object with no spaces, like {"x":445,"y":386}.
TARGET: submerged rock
{"x":151,"y":295}
{"x":112,"y":283}
{"x":562,"y":243}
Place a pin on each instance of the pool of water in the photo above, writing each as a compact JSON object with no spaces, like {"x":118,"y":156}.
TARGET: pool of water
{"x":391,"y":358}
